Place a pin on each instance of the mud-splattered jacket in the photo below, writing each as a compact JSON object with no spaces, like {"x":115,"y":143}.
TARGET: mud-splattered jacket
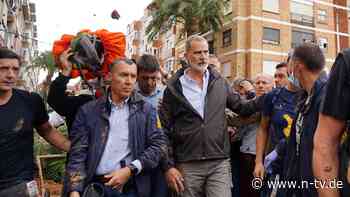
{"x":89,"y":137}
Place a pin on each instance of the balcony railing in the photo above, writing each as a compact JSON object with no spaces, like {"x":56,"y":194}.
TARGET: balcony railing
{"x":296,"y":44}
{"x":302,"y":19}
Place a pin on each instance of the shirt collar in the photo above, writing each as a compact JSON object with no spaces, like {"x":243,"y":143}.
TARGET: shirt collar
{"x":188,"y":78}
{"x":120,"y":105}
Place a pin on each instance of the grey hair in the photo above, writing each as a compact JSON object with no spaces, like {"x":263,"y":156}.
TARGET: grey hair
{"x":194,"y":38}
{"x":121,"y":61}
{"x":267,"y":76}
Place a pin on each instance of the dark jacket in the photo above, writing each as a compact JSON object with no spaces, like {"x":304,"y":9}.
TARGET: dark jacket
{"x":89,"y":137}
{"x":192,"y":138}
{"x":63,"y":104}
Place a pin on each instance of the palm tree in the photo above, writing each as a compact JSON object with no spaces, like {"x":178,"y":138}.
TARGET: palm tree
{"x":44,"y":62}
{"x":196,"y":16}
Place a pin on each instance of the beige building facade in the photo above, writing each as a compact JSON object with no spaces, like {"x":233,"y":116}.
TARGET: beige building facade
{"x":262,"y":32}
{"x":259,"y":34}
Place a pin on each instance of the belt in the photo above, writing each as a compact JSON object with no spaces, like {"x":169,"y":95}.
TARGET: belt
{"x":101,"y":178}
{"x":129,"y":186}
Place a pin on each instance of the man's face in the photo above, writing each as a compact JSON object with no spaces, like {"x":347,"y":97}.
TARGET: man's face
{"x":147,"y":81}
{"x":263,"y":85}
{"x":198,"y":55}
{"x":281,"y":77}
{"x":123,"y":79}
{"x":9,"y":70}
{"x":214,"y":61}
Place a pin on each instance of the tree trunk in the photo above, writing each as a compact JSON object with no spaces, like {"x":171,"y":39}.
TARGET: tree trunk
{"x":46,"y":85}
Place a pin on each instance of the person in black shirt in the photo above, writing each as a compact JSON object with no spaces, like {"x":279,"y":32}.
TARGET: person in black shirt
{"x":335,"y":111}
{"x":62,"y":103}
{"x":306,"y":73}
{"x":20,"y":112}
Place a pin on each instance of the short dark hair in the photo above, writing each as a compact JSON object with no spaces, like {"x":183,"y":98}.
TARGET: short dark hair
{"x":120,"y":61}
{"x":148,"y":63}
{"x":281,"y":65}
{"x":311,"y":55}
{"x":6,"y":53}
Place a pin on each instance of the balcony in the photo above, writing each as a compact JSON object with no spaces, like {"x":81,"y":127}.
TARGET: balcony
{"x":136,"y":42}
{"x":302,"y":19}
{"x":157,"y":43}
{"x":135,"y":56}
{"x":25,"y":11}
{"x":138,"y":25}
{"x":33,"y":17}
{"x":32,"y":8}
{"x":25,"y":40}
{"x":295,"y":44}
{"x":11,"y":16}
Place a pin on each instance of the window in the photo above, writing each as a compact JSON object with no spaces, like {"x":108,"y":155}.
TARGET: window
{"x":302,"y":13}
{"x":271,"y":6}
{"x":211,"y":47}
{"x":322,"y":16}
{"x":227,"y":38}
{"x":226,"y":71}
{"x":271,"y":36}
{"x":302,"y":8}
{"x":323,"y":44}
{"x":269,"y":67}
{"x":169,"y":66}
{"x":300,"y":36}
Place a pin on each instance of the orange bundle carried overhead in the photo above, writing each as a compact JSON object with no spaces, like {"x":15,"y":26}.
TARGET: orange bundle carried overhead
{"x":93,"y":52}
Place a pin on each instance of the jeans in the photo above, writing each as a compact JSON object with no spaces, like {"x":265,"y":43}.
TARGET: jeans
{"x":110,"y":192}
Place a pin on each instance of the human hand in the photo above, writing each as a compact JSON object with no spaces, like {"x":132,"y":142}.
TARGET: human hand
{"x":175,"y":180}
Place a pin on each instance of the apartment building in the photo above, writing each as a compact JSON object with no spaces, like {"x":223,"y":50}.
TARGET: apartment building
{"x":260,"y":33}
{"x":163,"y":46}
{"x":18,"y":32}
{"x":17,"y":27}
{"x":256,"y":34}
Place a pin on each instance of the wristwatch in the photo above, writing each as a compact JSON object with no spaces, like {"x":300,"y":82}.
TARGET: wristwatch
{"x":133,"y":169}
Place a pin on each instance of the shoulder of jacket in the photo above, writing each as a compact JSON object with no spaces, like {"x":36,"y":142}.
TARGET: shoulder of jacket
{"x":91,"y":105}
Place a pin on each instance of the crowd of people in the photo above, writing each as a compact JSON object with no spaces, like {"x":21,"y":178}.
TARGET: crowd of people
{"x":193,"y":134}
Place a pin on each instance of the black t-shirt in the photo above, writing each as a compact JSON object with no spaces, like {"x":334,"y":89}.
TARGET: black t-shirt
{"x":23,"y":112}
{"x":336,"y":102}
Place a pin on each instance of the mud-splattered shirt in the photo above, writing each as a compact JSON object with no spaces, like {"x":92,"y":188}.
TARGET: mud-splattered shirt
{"x":23,"y":112}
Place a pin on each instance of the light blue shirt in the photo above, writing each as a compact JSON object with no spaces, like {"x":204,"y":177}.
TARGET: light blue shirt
{"x":193,"y":92}
{"x":154,"y":98}
{"x":117,"y":145}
